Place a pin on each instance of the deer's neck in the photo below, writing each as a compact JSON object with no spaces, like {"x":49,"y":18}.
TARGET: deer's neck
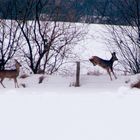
{"x":112,"y":60}
{"x":17,"y":69}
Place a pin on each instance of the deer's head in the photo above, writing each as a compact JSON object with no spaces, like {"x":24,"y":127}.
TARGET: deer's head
{"x":17,"y":63}
{"x":114,"y":57}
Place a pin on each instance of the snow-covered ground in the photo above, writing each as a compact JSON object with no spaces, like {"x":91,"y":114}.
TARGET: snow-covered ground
{"x":99,"y":109}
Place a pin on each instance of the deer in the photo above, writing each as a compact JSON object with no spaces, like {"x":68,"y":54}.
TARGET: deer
{"x":106,"y":64}
{"x":12,"y":74}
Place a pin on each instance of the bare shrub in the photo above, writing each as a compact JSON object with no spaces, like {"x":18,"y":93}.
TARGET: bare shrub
{"x":126,"y":39}
{"x":127,"y":81}
{"x":23,"y":85}
{"x":40,"y":71}
{"x":23,"y":76}
{"x":41,"y":78}
{"x":95,"y":73}
{"x":73,"y":84}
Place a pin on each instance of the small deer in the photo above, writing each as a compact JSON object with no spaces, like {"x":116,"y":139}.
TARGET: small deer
{"x":13,"y":74}
{"x":106,"y":64}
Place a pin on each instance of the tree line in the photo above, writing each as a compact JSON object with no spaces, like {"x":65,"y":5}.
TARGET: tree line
{"x":89,"y":11}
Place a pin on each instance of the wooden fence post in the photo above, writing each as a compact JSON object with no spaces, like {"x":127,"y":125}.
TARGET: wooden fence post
{"x":77,"y":83}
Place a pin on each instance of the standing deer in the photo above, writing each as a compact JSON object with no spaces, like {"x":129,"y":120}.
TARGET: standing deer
{"x":13,"y":74}
{"x":106,"y":64}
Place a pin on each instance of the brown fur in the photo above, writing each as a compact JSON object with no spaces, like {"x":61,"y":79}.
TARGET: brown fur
{"x":13,"y":74}
{"x":136,"y":85}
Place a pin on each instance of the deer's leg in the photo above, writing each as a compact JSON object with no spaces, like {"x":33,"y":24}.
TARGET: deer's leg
{"x":109,"y":73}
{"x":16,"y":83}
{"x":94,"y":64}
{"x":1,"y":82}
{"x":113,"y":73}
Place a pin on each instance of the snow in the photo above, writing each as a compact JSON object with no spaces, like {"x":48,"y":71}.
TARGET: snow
{"x":99,"y":109}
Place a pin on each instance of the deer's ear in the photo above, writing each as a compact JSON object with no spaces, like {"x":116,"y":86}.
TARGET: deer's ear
{"x":16,"y":61}
{"x":114,"y":53}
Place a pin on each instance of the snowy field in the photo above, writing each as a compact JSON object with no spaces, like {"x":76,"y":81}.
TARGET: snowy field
{"x":99,"y":109}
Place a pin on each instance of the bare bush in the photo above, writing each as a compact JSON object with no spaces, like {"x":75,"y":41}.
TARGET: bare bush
{"x":48,"y":43}
{"x":41,"y":79}
{"x":95,"y":73}
{"x":9,"y":41}
{"x":23,"y":76}
{"x":23,"y":85}
{"x":126,"y":39}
